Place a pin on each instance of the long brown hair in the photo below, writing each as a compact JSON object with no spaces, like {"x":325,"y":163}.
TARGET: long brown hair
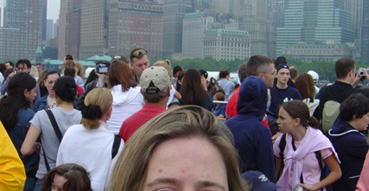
{"x":192,"y":91}
{"x":120,"y":73}
{"x":305,"y":84}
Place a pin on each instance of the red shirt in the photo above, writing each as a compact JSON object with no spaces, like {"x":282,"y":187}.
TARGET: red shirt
{"x":131,"y":124}
{"x":231,"y":109}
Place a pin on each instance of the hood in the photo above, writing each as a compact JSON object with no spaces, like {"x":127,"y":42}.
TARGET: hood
{"x":120,"y":97}
{"x":253,"y":97}
{"x":340,"y":128}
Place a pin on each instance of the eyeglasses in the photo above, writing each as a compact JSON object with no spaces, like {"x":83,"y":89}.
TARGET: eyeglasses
{"x":139,"y":52}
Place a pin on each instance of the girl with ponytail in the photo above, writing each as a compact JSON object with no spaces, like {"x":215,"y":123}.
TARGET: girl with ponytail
{"x":302,"y":152}
{"x":91,"y":144}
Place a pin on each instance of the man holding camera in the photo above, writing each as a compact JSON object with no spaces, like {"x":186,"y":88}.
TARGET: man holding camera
{"x":102,"y":81}
{"x":347,"y":80}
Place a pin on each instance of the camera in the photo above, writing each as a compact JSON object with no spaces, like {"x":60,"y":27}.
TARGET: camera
{"x":361,"y":71}
{"x":102,"y":69}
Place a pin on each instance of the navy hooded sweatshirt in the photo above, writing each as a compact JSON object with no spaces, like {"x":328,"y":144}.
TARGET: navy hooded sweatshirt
{"x":252,"y":139}
{"x":351,"y":147}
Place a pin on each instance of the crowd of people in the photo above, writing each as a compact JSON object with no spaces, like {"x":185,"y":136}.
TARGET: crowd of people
{"x":131,"y":126}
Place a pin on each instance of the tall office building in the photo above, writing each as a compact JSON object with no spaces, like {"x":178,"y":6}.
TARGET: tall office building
{"x":137,"y":23}
{"x":312,"y":21}
{"x":28,"y":16}
{"x":194,"y":27}
{"x":69,"y":28}
{"x":365,"y":33}
{"x":94,"y":28}
{"x":173,"y":14}
{"x":355,"y":8}
{"x":255,"y":17}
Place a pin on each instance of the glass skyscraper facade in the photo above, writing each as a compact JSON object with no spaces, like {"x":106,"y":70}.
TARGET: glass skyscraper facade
{"x":310,"y":21}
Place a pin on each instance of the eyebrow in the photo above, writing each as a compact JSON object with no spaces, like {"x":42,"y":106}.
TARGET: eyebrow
{"x":198,"y":185}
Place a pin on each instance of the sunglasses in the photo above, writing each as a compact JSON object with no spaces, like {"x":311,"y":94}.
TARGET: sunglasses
{"x":139,"y":52}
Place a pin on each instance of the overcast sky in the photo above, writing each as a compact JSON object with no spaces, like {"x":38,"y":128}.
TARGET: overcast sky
{"x":53,"y":7}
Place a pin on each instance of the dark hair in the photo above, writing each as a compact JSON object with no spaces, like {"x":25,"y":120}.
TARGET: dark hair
{"x":343,"y":66}
{"x":51,"y":73}
{"x":120,"y":73}
{"x":223,"y":73}
{"x":177,"y":69}
{"x":257,"y":64}
{"x":298,"y":109}
{"x":7,"y":72}
{"x":192,"y":91}
{"x":65,"y":88}
{"x":356,"y":104}
{"x":15,"y":100}
{"x":68,"y":57}
{"x":2,"y":68}
{"x":178,"y":85}
{"x":305,"y":84}
{"x":69,"y":71}
{"x":10,"y":63}
{"x":77,"y":178}
{"x":23,"y":61}
{"x":137,"y":53}
{"x":203,"y":72}
{"x":280,"y":60}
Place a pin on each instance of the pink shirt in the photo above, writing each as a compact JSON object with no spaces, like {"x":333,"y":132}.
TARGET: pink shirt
{"x":311,"y":170}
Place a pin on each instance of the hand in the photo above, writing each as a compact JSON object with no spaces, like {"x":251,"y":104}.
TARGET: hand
{"x":307,"y":188}
{"x":12,"y":74}
{"x":275,"y":136}
{"x":37,"y":147}
{"x":356,"y":79}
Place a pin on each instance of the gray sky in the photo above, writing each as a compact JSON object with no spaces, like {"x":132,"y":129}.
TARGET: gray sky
{"x":53,"y":7}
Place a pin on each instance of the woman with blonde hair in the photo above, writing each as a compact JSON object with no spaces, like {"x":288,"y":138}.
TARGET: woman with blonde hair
{"x":127,"y":97}
{"x":182,"y":148}
{"x":92,"y":139}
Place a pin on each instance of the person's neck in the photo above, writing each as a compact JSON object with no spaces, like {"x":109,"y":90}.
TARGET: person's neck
{"x":161,"y":103}
{"x":299,"y":133}
{"x":66,"y":106}
{"x":51,"y":96}
{"x":344,"y":80}
{"x":353,"y":124}
{"x":281,"y":85}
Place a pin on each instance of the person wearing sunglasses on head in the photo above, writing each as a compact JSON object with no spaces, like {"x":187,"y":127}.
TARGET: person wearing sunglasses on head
{"x":139,"y":62}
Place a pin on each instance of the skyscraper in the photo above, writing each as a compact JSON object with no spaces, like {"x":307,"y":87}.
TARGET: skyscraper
{"x":310,"y":21}
{"x":69,"y":28}
{"x":255,"y":17}
{"x":194,"y":27}
{"x":28,"y":16}
{"x":136,"y":23}
{"x":365,"y":33}
{"x":173,"y":14}
{"x":94,"y":28}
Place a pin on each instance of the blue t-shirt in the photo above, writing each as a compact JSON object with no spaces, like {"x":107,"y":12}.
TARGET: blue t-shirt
{"x":219,"y":110}
{"x":278,"y":96}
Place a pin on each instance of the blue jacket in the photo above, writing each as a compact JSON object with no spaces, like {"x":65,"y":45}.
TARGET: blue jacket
{"x":40,"y":104}
{"x":252,"y":139}
{"x":18,"y":134}
{"x":351,"y":147}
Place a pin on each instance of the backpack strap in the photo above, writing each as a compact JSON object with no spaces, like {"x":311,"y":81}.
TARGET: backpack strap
{"x":46,"y":163}
{"x":116,"y":144}
{"x":318,"y":156}
{"x":55,"y":125}
{"x":282,"y":146}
